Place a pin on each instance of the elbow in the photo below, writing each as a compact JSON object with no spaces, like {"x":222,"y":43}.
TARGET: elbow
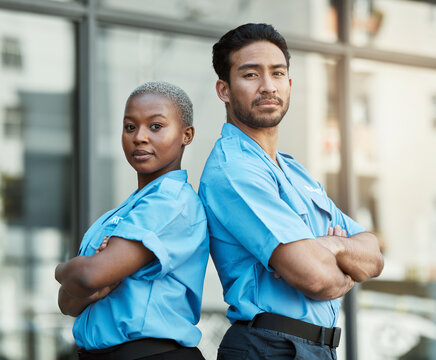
{"x":379,"y":265}
{"x":65,"y":310}
{"x":320,"y":289}
{"x":70,"y":312}
{"x":81,"y":283}
{"x":66,"y":305}
{"x":87,"y":280}
{"x":372,"y":271}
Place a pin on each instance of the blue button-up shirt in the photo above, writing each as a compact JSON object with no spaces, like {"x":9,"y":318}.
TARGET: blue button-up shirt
{"x":162,"y":299}
{"x":252,"y":206}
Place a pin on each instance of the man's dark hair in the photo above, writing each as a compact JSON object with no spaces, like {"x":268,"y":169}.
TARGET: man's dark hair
{"x":238,"y":38}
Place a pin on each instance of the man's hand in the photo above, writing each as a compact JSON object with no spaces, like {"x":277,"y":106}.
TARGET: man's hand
{"x":337,"y":231}
{"x":332,"y":240}
{"x":358,"y":256}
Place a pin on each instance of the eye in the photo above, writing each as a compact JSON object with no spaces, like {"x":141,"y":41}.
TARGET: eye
{"x":129,"y":127}
{"x":279,"y":73}
{"x":249,"y":75}
{"x":155,"y":126}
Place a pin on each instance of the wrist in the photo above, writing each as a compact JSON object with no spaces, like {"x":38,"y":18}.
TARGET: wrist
{"x":337,"y":245}
{"x":58,"y":272}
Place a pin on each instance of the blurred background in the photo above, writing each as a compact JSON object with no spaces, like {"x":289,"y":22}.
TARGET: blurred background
{"x":362,"y":120}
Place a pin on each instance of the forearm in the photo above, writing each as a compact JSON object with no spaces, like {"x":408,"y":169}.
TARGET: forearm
{"x":71,"y":275}
{"x":73,"y":306}
{"x":82,"y":276}
{"x":358,"y":256}
{"x":334,"y":286}
{"x":312,"y":269}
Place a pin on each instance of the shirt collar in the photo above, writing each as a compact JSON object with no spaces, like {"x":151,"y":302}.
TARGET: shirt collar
{"x":180,"y":175}
{"x":232,"y":130}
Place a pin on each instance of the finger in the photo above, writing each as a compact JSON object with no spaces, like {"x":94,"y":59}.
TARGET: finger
{"x":276,"y":275}
{"x":104,"y":243}
{"x":337,"y":231}
{"x":344,"y":233}
{"x":113,"y":286}
{"x":330,"y":231}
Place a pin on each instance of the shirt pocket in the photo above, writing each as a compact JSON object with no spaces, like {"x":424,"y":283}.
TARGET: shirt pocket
{"x":322,"y":204}
{"x":290,"y":197}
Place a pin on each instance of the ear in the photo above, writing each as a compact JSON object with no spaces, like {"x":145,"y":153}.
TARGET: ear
{"x":290,"y":82}
{"x":188,"y":135}
{"x":223,"y":90}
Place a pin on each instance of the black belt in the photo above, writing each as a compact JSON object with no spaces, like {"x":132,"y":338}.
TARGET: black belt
{"x":295,"y":327}
{"x":131,"y":350}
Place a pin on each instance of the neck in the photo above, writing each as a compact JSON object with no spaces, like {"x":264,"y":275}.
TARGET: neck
{"x":145,"y":179}
{"x":266,"y":138}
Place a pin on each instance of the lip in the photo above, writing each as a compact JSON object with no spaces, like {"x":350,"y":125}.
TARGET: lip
{"x":141,"y":155}
{"x":267,"y":103}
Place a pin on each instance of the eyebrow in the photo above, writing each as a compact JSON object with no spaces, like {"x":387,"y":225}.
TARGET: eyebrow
{"x":256,"y":66}
{"x":127,"y":117}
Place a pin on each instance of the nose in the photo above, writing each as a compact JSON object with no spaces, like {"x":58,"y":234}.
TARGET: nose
{"x":141,"y":136}
{"x":267,"y":85}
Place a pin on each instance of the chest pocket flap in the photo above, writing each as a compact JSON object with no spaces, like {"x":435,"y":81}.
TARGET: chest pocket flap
{"x":290,"y":196}
{"x":321,"y":203}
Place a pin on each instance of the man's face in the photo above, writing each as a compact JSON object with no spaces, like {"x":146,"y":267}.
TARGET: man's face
{"x":259,"y":90}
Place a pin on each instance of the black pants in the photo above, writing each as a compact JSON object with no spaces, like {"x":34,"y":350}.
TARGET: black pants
{"x":181,"y":354}
{"x":242,"y":342}
{"x":143,"y":349}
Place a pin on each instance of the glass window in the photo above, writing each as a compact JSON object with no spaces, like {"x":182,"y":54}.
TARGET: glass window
{"x":36,"y":107}
{"x":310,"y":129}
{"x":11,"y":52}
{"x":314,"y":18}
{"x":394,"y":151}
{"x":408,"y":26}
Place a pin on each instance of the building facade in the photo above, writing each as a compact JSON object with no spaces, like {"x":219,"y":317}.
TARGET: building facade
{"x":362,"y":120}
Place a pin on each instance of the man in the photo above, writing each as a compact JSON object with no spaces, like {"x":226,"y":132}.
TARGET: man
{"x":284,"y":252}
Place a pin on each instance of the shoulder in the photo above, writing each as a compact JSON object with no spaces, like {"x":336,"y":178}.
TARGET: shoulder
{"x":233,"y":156}
{"x":181,"y":195}
{"x":173,"y":191}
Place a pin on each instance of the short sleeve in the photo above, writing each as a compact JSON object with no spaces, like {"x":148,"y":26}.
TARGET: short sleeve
{"x":172,"y":227}
{"x":245,"y":199}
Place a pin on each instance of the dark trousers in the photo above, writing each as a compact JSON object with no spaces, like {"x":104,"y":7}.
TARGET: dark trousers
{"x":144,"y":349}
{"x":243,"y":342}
{"x":181,"y":354}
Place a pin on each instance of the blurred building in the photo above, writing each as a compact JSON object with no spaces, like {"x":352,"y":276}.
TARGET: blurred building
{"x":362,"y":119}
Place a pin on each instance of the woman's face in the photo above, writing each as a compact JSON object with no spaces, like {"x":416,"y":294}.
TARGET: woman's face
{"x":154,"y":136}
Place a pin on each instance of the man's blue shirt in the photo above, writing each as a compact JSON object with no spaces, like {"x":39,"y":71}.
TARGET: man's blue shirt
{"x":162,"y":299}
{"x":252,"y":206}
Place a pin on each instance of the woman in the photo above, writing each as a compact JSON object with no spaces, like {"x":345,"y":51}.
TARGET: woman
{"x":137,"y":283}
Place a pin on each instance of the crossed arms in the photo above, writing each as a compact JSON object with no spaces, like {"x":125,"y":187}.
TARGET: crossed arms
{"x":86,"y":279}
{"x":326,"y":267}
